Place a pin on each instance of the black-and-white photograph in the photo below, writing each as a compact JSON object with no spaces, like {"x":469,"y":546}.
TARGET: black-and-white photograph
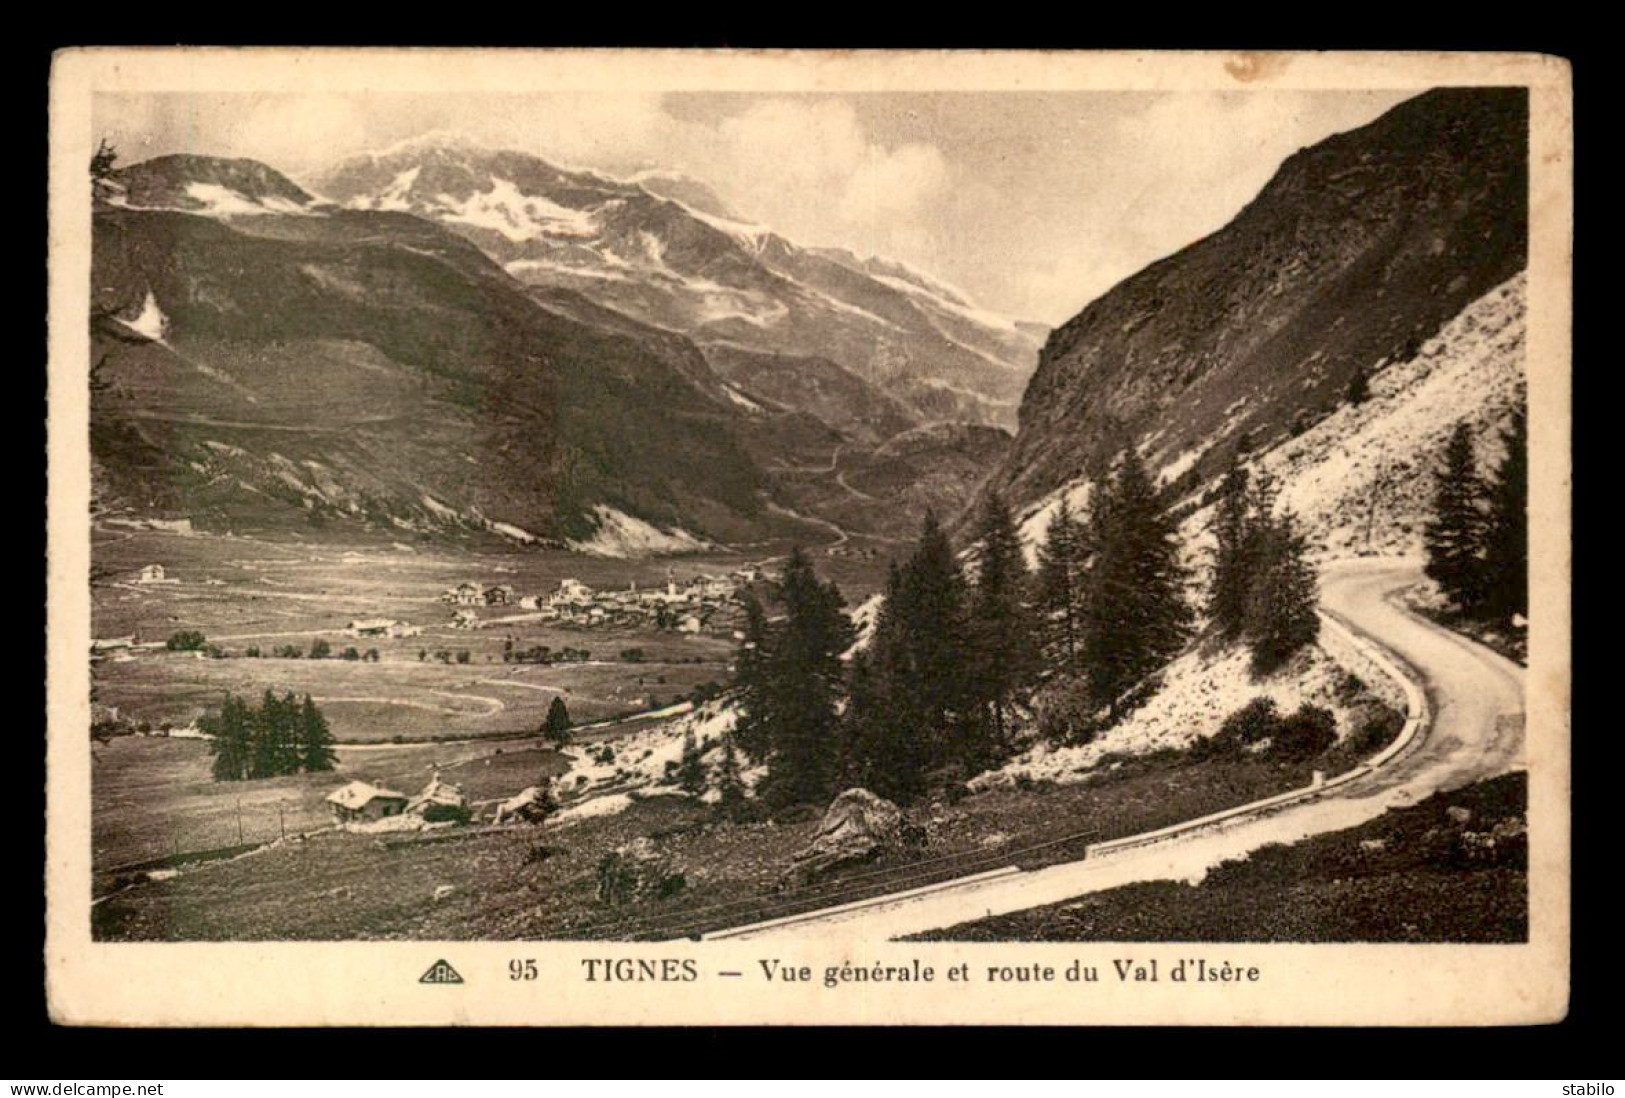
{"x":1008,"y":516}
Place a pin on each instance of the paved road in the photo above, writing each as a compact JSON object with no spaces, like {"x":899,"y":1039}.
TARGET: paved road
{"x":1474,"y":695}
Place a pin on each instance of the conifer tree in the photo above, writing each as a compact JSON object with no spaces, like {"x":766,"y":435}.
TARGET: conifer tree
{"x":752,"y":729}
{"x":1232,"y":571}
{"x":691,"y":770}
{"x":1135,"y":618}
{"x":315,"y":739}
{"x":556,"y":725}
{"x":1506,"y":547}
{"x":1455,"y":534}
{"x":1003,"y":657}
{"x":789,"y":686}
{"x":231,"y":739}
{"x":1359,"y":388}
{"x":1281,"y":600}
{"x":1063,"y":562}
{"x":888,"y":741}
{"x":912,"y":708}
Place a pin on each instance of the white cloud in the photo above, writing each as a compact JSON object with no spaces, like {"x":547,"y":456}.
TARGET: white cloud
{"x":808,"y":168}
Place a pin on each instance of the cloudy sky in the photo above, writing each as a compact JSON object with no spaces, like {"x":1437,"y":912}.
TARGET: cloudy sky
{"x":1033,"y":202}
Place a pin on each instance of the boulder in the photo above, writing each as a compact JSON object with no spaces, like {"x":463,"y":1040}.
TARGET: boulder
{"x":858,"y":826}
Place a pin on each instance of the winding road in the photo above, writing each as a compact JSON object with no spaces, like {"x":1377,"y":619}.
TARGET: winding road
{"x":1475,"y":701}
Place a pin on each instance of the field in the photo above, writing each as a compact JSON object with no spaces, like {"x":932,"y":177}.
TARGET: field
{"x":243,"y":593}
{"x":540,"y":882}
{"x":1453,"y":868}
{"x":398,"y":719}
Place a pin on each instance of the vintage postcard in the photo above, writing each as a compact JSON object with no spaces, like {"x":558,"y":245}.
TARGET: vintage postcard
{"x":719,"y":538}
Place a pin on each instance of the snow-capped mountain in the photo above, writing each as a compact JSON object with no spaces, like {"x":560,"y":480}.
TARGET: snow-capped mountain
{"x":207,"y":185}
{"x":661,"y":247}
{"x":264,"y":359}
{"x":267,"y":359}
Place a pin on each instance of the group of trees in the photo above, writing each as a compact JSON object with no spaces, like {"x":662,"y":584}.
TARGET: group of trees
{"x":1110,"y":590}
{"x":954,"y":656}
{"x":319,"y":650}
{"x":279,"y":736}
{"x":933,"y":691}
{"x":1264,"y":586}
{"x":1477,"y":537}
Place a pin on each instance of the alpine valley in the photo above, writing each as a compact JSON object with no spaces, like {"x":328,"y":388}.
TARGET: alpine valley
{"x":710,"y":583}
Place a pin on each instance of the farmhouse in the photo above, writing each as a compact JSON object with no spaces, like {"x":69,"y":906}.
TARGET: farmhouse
{"x":500,"y":595}
{"x":362,"y":802}
{"x":152,"y":573}
{"x":438,"y":798}
{"x":381,"y":627}
{"x":465,"y":594}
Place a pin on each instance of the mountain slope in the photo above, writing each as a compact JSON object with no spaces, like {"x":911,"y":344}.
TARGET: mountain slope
{"x":1356,"y":252}
{"x":263,"y":358}
{"x":662,"y":249}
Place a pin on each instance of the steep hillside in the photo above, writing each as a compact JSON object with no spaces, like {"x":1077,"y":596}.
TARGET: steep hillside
{"x":261,"y":358}
{"x":886,"y":491}
{"x":821,"y":388}
{"x":662,"y":248}
{"x":1355,"y":254}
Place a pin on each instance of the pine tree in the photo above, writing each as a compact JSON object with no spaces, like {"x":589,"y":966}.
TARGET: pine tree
{"x":1003,"y":657}
{"x":1506,"y":545}
{"x":1455,"y":535}
{"x":231,"y":733}
{"x":887,"y":742}
{"x":1359,"y":389}
{"x":556,"y":726}
{"x":1281,"y":600}
{"x":789,"y":683}
{"x":1232,"y":570}
{"x":911,"y":710}
{"x":1063,"y":561}
{"x":315,"y":739}
{"x":1135,"y":618}
{"x":691,"y":770}
{"x":751,"y":678}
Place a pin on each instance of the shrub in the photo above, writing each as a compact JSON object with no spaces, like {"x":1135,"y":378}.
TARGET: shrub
{"x":1255,"y":721}
{"x":462,"y":656}
{"x":447,"y":813}
{"x":185,"y":640}
{"x":320,"y":649}
{"x":1065,"y":713}
{"x":1309,"y":731}
{"x":1375,"y":732}
{"x":350,"y":653}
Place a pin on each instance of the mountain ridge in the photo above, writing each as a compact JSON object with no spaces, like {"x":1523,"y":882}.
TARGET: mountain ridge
{"x":1358,"y":249}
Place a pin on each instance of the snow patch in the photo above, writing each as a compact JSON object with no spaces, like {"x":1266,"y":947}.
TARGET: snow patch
{"x":865,"y":616}
{"x":507,"y":210}
{"x":623,"y":536}
{"x":508,"y":530}
{"x":741,"y":399}
{"x":219,"y":201}
{"x":1199,"y":690}
{"x":151,"y":323}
